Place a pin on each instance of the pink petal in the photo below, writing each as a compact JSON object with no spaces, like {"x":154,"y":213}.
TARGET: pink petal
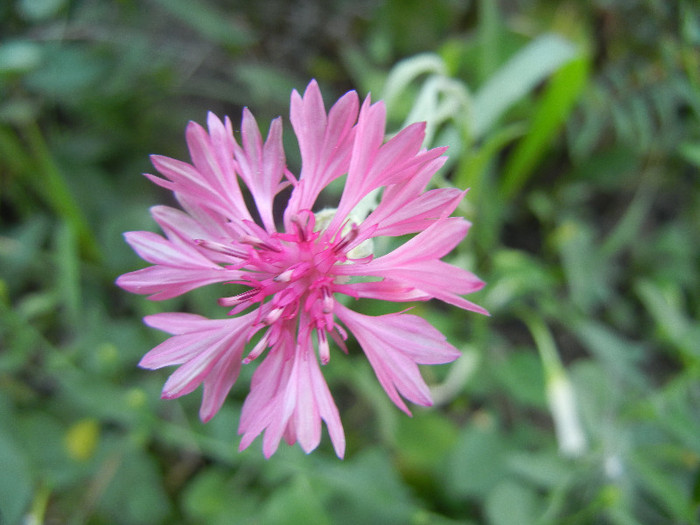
{"x":305,"y":416}
{"x":442,"y":281}
{"x":190,"y":374}
{"x":208,"y":351}
{"x":421,"y":213}
{"x":394,"y":344}
{"x":178,"y":225}
{"x":415,"y":185}
{"x":221,"y":137}
{"x":177,"y":323}
{"x":284,"y":405}
{"x":289,"y":398}
{"x":203,"y":157}
{"x":267,"y":380}
{"x":433,"y":277}
{"x":183,"y":230}
{"x":157,"y":250}
{"x":261,"y":166}
{"x":215,"y":166}
{"x":369,"y":135}
{"x":164,"y":282}
{"x":308,"y":117}
{"x":405,"y":209}
{"x":327,"y":408}
{"x":181,"y":173}
{"x":324,"y":143}
{"x":262,"y":403}
{"x":177,"y":350}
{"x":433,"y":243}
{"x":384,"y":290}
{"x":373,"y":165}
{"x":218,"y":384}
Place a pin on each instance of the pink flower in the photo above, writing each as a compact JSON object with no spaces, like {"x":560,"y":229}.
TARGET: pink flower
{"x":292,"y":275}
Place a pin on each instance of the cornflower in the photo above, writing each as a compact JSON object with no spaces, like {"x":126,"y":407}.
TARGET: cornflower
{"x":294,"y":271}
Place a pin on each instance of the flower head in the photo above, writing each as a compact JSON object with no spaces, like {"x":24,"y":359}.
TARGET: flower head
{"x":292,"y":275}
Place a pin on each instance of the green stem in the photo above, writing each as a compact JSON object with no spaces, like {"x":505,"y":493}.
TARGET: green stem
{"x":545,"y":345}
{"x":55,"y":190}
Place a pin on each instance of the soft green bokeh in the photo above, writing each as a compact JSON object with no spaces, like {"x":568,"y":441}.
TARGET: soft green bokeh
{"x":574,"y":124}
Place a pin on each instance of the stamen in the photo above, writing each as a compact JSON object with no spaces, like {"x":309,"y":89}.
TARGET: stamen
{"x":324,"y":352}
{"x":259,"y":243}
{"x":218,"y":247}
{"x":290,"y":177}
{"x":328,"y":302}
{"x":272,"y":316}
{"x":339,"y":335}
{"x":257,"y":349}
{"x":284,"y":277}
{"x":303,"y":229}
{"x":238,"y":299}
{"x":341,"y":332}
{"x":347,"y":239}
{"x":304,"y":223}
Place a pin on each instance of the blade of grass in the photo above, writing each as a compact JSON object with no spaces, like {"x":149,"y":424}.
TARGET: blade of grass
{"x":210,"y":22}
{"x":13,"y":162}
{"x":54,"y":189}
{"x":551,"y":113}
{"x":68,"y":266}
{"x":628,"y":228}
{"x":530,"y":66}
{"x":472,"y":166}
{"x":489,"y":31}
{"x":560,"y":391}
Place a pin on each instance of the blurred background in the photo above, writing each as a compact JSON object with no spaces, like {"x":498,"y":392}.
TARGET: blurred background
{"x":576,"y":126}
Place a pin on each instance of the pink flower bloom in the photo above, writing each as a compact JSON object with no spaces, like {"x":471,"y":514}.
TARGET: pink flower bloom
{"x":293,"y":274}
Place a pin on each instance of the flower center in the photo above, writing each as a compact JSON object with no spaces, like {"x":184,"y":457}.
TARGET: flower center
{"x":295,"y":271}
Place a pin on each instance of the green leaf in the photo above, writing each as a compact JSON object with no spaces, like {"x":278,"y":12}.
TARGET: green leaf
{"x":665,"y":486}
{"x":413,"y":435}
{"x":15,"y":481}
{"x":614,"y":351}
{"x":210,"y":22}
{"x":37,"y":10}
{"x":545,"y":469}
{"x":665,"y":306}
{"x":587,"y":273}
{"x":406,"y":71}
{"x":549,"y":116}
{"x":68,"y":278}
{"x":517,"y":276}
{"x":676,"y":409}
{"x":207,"y":498}
{"x":135,"y":493}
{"x":364,"y":489}
{"x":51,"y":182}
{"x":19,"y":56}
{"x":629,"y":227}
{"x":43,"y":438}
{"x":490,"y":33}
{"x":690,"y":151}
{"x":511,"y":503}
{"x":296,"y":503}
{"x":530,"y":66}
{"x":68,"y":70}
{"x":476,"y":464}
{"x":522,"y":378}
{"x":265,"y":84}
{"x":473,"y":166}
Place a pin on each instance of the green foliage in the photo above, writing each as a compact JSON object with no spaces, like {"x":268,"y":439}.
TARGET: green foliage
{"x":576,"y":128}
